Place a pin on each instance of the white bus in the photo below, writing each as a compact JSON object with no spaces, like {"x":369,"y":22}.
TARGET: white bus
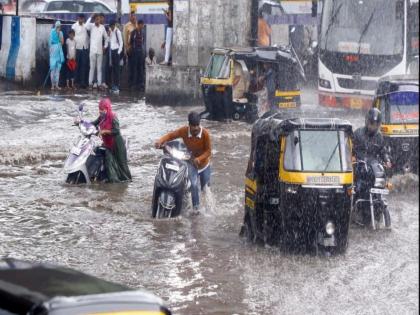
{"x":361,"y":41}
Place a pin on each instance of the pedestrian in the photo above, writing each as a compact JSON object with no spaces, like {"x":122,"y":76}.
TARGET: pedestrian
{"x":167,"y":45}
{"x":116,"y":152}
{"x":56,"y":54}
{"x":264,"y":31}
{"x":137,"y":48}
{"x":128,"y":29}
{"x":197,"y":140}
{"x":116,"y":43}
{"x":268,"y":78}
{"x":151,"y":58}
{"x":82,"y":51}
{"x":98,"y":43}
{"x":106,"y":61}
{"x":71,"y":59}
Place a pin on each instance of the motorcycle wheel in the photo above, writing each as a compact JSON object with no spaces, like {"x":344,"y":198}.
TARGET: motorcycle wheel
{"x":387,"y":218}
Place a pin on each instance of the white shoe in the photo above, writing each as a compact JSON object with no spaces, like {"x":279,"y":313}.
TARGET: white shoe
{"x":95,"y":85}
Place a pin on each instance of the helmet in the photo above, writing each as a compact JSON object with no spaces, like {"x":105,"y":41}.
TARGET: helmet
{"x":373,"y":120}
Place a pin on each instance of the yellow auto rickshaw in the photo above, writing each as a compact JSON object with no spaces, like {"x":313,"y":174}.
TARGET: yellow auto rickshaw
{"x":232,"y":80}
{"x":299,"y":184}
{"x":398,"y":99}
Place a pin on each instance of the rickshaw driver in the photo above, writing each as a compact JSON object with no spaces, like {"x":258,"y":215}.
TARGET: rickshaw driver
{"x":197,"y":140}
{"x":368,"y":140}
{"x":239,"y":83}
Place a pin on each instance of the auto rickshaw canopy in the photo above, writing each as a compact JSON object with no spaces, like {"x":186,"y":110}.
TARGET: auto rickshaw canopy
{"x":39,"y":288}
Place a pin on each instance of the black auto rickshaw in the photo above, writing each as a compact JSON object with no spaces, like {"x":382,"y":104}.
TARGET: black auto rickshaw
{"x":299,"y":184}
{"x":234,"y":77}
{"x":42,"y":289}
{"x":398,"y":99}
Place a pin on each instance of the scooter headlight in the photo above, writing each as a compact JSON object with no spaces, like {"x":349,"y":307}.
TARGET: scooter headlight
{"x":380,"y":183}
{"x":330,"y":228}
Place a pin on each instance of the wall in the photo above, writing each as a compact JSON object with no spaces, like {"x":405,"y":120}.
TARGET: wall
{"x":201,"y":25}
{"x":17,"y":53}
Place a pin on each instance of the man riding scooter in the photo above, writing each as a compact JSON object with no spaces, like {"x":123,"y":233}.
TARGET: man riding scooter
{"x":197,"y":140}
{"x":368,"y":141}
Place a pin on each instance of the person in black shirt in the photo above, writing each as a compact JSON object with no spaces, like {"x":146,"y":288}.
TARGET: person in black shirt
{"x":137,"y":46}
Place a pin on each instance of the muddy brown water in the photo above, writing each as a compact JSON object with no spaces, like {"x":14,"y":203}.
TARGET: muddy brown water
{"x":198,"y":265}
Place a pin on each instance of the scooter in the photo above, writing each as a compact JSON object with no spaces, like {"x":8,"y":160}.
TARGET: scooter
{"x":86,"y":161}
{"x":172,"y":184}
{"x":369,"y":202}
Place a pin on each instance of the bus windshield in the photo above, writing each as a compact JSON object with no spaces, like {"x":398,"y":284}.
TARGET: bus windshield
{"x":317,"y":151}
{"x":371,"y":27}
{"x":404,"y":107}
{"x":218,"y":67}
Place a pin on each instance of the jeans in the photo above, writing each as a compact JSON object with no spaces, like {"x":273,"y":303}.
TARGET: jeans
{"x":115,"y":68}
{"x":168,"y":43}
{"x":204,"y":177}
{"x":138,"y":68}
{"x":82,"y":64}
{"x":95,"y":64}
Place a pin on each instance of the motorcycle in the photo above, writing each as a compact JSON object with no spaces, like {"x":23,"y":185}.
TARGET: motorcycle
{"x":172,"y":183}
{"x":369,"y":202}
{"x":86,"y":161}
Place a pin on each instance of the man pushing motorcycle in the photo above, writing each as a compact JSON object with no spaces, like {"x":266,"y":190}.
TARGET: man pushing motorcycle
{"x":197,"y":140}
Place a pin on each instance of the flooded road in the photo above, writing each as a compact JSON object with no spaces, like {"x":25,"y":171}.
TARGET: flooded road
{"x":198,"y":265}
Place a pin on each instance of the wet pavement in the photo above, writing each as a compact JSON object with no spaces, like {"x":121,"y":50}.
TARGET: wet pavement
{"x":197,"y":264}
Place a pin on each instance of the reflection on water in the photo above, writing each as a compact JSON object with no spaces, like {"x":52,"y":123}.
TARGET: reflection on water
{"x":198,"y":264}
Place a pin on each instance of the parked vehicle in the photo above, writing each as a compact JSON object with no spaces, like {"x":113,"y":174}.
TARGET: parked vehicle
{"x":69,"y":6}
{"x":398,"y":99}
{"x":43,"y":289}
{"x":299,"y":184}
{"x":218,"y":81}
{"x":369,"y":204}
{"x":172,"y":182}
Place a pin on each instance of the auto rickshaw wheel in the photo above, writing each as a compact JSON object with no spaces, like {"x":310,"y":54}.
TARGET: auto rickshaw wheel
{"x":387,"y":218}
{"x":247,"y":231}
{"x":236,"y":116}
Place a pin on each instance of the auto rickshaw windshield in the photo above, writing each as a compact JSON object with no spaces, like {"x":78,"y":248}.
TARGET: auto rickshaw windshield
{"x":317,"y":151}
{"x":403,"y":107}
{"x":218,"y":67}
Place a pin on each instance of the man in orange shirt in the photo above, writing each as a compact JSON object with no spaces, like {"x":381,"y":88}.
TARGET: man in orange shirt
{"x":264,"y":32}
{"x":197,"y":140}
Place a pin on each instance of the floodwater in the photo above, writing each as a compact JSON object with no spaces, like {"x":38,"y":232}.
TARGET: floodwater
{"x":197,"y":264}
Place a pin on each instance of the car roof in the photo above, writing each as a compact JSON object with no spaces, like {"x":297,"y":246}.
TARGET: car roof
{"x":30,"y":284}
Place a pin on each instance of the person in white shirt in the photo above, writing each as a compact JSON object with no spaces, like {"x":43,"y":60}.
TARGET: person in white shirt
{"x":82,"y":51}
{"x":117,"y":45}
{"x":71,"y":59}
{"x":98,"y":42}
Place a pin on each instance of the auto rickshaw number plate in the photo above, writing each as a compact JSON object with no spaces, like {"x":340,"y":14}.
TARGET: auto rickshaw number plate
{"x":287,"y":104}
{"x":379,"y":191}
{"x":322,"y":180}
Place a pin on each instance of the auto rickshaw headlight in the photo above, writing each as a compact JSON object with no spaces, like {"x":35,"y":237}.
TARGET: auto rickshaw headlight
{"x":330,"y":228}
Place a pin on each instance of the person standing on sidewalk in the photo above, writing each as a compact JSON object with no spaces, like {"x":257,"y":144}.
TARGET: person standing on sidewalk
{"x":167,"y":45}
{"x":71,"y":60}
{"x":116,"y":43}
{"x":56,"y":42}
{"x":98,"y":37}
{"x":137,"y":47}
{"x":128,"y":29}
{"x":82,"y":51}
